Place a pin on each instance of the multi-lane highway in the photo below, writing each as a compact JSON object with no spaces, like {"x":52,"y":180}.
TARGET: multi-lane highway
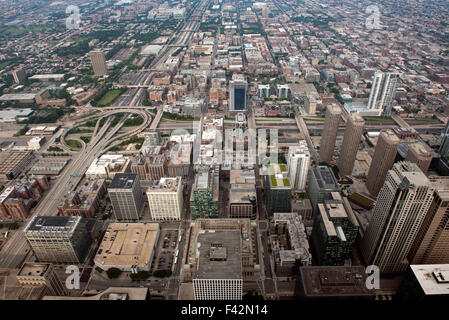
{"x":183,"y":37}
{"x":16,"y":249}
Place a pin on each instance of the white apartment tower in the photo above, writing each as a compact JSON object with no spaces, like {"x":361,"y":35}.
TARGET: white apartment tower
{"x":298,"y":164}
{"x":165,"y":199}
{"x":401,"y":206}
{"x":383,"y":90}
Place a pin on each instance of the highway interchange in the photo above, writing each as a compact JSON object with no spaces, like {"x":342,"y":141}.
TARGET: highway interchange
{"x":16,"y":250}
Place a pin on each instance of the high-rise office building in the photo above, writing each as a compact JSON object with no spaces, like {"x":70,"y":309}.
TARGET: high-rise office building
{"x":126,"y":196}
{"x":219,"y":269}
{"x":350,"y":146}
{"x":444,"y":147}
{"x":327,"y":145}
{"x":237,"y":93}
{"x":383,"y":90}
{"x":418,"y":154}
{"x":278,"y":190}
{"x":35,"y":274}
{"x":298,"y":164}
{"x":423,"y":283}
{"x":204,"y":195}
{"x":334,"y":231}
{"x":400,"y":210}
{"x":98,"y":62}
{"x":242,"y":194}
{"x":220,"y":255}
{"x":58,"y":239}
{"x":431,"y":245}
{"x":384,"y":156}
{"x":322,"y":183}
{"x":165,"y":199}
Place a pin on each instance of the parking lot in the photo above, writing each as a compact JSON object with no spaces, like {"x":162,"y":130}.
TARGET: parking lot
{"x":165,"y":253}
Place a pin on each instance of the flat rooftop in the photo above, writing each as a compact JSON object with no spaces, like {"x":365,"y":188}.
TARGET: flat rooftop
{"x":123,"y":181}
{"x":166,"y":185}
{"x":333,"y":281}
{"x":231,"y":267}
{"x":17,"y":96}
{"x":52,"y":224}
{"x":15,"y":113}
{"x":128,"y":244}
{"x":33,"y":269}
{"x":243,"y":186}
{"x":325,"y":177}
{"x":13,"y":160}
{"x":412,"y":172}
{"x":202,"y":180}
{"x":278,"y":176}
{"x":11,"y":289}
{"x":47,"y":76}
{"x":112,"y":293}
{"x":433,"y":278}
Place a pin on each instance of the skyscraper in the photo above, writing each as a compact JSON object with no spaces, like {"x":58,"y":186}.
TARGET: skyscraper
{"x":322,"y":183}
{"x":298,"y":164}
{"x":350,"y":146}
{"x":165,"y":199}
{"x":58,"y":239}
{"x":237,"y":92}
{"x":383,"y":90}
{"x":400,"y":210}
{"x":220,"y":255}
{"x":278,"y":190}
{"x":418,"y":154}
{"x":35,"y":274}
{"x":98,"y":62}
{"x":383,"y":159}
{"x":126,"y":196}
{"x":444,"y":147}
{"x":431,"y":243}
{"x":333,"y":113}
{"x":334,"y":231}
{"x":204,"y":197}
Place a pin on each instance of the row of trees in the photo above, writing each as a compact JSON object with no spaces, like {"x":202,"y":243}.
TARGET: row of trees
{"x":114,"y":273}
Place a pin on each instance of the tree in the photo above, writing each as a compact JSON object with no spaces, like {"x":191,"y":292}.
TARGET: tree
{"x":162,"y":273}
{"x":113,"y":273}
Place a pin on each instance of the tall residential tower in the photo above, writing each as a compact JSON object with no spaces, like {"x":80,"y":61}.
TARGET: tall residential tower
{"x":383,"y":90}
{"x":350,"y":146}
{"x":384,"y":155}
{"x":333,"y":113}
{"x":298,"y":164}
